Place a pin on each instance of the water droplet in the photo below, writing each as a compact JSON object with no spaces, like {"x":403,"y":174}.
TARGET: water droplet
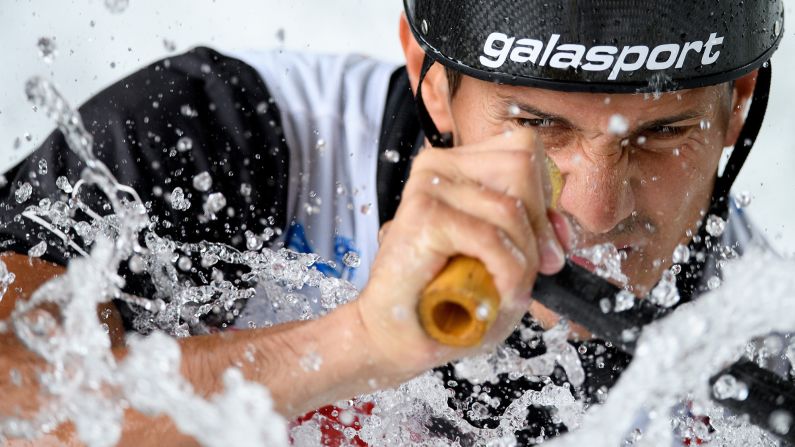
{"x":681,"y":254}
{"x":424,"y":26}
{"x":705,"y":124}
{"x":42,"y":166}
{"x":777,"y":28}
{"x":346,"y":418}
{"x":262,"y":107}
{"x":514,"y":110}
{"x":136,"y":264}
{"x":618,"y":125}
{"x":743,"y":199}
{"x":169,"y":45}
{"x":728,"y":387}
{"x":605,"y":305}
{"x":187,"y":110}
{"x":47,"y":49}
{"x":391,"y":155}
{"x":215,"y":202}
{"x":351,"y":259}
{"x":117,"y":6}
{"x":482,"y":312}
{"x":184,"y":263}
{"x":184,"y":144}
{"x":366,"y":208}
{"x":203,"y":181}
{"x":178,"y":200}
{"x":3,"y":181}
{"x":665,"y":293}
{"x":780,"y":420}
{"x":715,"y":225}
{"x":38,"y":249}
{"x":252,"y":241}
{"x":23,"y":193}
{"x":311,"y":362}
{"x":641,"y":140}
{"x":713,"y":283}
{"x":63,"y":184}
{"x":624,"y":301}
{"x":280,"y":35}
{"x":245,"y":190}
{"x":320,"y":145}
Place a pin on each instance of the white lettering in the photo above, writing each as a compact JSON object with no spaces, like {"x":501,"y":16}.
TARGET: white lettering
{"x":709,"y":58}
{"x":563,"y":59}
{"x":526,"y":50}
{"x":498,"y":53}
{"x":697,"y":45}
{"x":550,"y":46}
{"x":654,"y":63}
{"x":641,"y":51}
{"x":600,"y":58}
{"x":499,"y":47}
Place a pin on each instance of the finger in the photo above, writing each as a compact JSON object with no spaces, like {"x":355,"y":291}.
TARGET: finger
{"x":501,"y":210}
{"x":517,"y":174}
{"x":563,"y":228}
{"x":443,"y":231}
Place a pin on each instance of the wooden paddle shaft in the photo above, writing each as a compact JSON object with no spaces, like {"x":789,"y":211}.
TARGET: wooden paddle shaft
{"x":459,"y":306}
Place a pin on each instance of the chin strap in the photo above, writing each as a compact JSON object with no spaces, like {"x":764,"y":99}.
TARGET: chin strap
{"x":437,"y":139}
{"x":753,"y":123}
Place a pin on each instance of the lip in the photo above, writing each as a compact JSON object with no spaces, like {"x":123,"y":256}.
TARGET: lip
{"x":584,"y":263}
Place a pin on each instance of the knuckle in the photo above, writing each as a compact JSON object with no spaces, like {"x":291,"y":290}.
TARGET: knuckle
{"x":509,"y":208}
{"x":524,"y":163}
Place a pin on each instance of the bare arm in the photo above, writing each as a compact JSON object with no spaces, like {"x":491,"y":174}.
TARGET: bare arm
{"x":347,"y":366}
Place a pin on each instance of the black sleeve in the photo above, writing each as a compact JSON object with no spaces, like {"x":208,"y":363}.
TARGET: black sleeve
{"x":156,"y":130}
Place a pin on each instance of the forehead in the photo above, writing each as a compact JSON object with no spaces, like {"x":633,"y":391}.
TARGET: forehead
{"x":589,"y":106}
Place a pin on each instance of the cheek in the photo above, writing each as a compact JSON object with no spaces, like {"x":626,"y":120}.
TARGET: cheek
{"x":675,"y":189}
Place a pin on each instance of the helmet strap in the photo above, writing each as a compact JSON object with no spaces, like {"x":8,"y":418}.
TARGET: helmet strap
{"x":436,"y":138}
{"x":745,"y":141}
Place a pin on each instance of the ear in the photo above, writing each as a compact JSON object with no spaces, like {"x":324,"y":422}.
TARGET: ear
{"x":741,"y":97}
{"x":435,"y":91}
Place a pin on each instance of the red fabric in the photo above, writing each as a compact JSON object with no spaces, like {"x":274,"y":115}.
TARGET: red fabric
{"x":330,"y":426}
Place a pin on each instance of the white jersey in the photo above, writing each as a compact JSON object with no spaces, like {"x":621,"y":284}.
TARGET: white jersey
{"x":331,"y":109}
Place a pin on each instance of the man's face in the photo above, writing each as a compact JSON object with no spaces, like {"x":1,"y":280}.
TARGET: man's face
{"x":638,"y":171}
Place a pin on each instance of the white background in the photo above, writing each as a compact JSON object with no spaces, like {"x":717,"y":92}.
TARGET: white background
{"x":135,"y":37}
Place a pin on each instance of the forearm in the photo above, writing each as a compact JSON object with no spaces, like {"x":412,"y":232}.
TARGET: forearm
{"x":305,"y":365}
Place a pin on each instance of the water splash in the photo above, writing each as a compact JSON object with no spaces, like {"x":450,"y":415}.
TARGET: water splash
{"x":676,"y":356}
{"x":82,"y":382}
{"x":606,"y":260}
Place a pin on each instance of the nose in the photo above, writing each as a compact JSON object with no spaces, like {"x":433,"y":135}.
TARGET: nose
{"x":598,"y":185}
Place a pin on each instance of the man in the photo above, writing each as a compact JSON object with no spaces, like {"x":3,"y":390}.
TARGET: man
{"x":326,"y":149}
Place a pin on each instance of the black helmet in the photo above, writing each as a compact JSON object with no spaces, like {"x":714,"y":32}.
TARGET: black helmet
{"x":611,"y":46}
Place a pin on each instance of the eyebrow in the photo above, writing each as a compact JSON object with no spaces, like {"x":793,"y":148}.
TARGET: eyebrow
{"x":527,"y":108}
{"x":664,"y":121}
{"x":684,"y":116}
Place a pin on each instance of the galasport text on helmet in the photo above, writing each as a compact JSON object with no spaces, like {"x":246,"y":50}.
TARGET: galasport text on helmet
{"x":599,"y":45}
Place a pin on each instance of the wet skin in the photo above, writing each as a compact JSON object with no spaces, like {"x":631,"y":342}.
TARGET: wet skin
{"x":645,"y":189}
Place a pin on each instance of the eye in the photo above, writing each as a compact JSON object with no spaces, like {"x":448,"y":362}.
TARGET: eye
{"x":536,"y":122}
{"x":665,"y":132}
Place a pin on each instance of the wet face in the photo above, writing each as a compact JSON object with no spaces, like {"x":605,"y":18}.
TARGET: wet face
{"x":638,"y":170}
